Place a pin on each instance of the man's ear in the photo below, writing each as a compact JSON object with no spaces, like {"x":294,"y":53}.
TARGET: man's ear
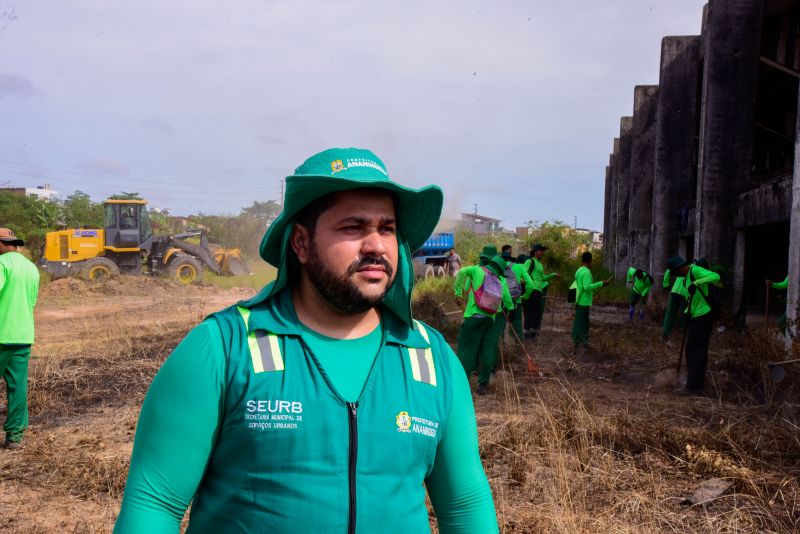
{"x":300,"y":241}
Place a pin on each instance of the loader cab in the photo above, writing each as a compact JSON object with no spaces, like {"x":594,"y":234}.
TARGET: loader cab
{"x":127,"y":224}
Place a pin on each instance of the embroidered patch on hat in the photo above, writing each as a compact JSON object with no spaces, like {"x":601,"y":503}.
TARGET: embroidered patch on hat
{"x":337,"y":166}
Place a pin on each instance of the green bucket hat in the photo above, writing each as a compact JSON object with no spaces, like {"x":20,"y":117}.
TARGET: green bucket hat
{"x":489,"y":252}
{"x":342,"y":169}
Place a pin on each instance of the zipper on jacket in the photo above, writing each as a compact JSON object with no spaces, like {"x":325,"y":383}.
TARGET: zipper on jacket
{"x":352,"y":414}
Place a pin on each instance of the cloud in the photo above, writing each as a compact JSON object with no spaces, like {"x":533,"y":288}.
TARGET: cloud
{"x":105,"y":167}
{"x":14,"y":85}
{"x":159,"y":127}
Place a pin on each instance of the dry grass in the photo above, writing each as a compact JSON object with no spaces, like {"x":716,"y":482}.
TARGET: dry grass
{"x":598,"y":445}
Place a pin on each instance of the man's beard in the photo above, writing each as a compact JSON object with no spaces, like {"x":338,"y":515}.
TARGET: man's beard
{"x":341,"y":292}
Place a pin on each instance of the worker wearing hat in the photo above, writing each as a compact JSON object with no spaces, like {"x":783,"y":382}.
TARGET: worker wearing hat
{"x":319,"y":405}
{"x":640,"y":282}
{"x":696,"y":280}
{"x":479,"y":335}
{"x":19,"y":288}
{"x":677,"y":298}
{"x":534,"y":304}
{"x":585,"y":288}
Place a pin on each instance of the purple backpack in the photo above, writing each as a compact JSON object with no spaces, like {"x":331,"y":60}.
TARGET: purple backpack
{"x":489,"y":296}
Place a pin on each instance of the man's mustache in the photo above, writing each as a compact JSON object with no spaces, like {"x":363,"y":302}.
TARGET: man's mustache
{"x":366,"y":261}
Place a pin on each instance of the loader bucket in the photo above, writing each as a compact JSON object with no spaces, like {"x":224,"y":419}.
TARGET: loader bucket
{"x":231,"y":262}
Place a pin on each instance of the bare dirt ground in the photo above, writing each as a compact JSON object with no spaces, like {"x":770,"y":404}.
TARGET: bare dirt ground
{"x":97,"y":348}
{"x":599,"y":444}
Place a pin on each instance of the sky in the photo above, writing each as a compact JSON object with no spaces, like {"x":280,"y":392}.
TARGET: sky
{"x":206,"y":106}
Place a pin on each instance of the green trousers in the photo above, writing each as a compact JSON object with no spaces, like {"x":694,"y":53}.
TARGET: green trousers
{"x":516,"y":320}
{"x":14,"y":369}
{"x":580,"y":326}
{"x":541,"y":306}
{"x":477,"y":345}
{"x":673,"y":316}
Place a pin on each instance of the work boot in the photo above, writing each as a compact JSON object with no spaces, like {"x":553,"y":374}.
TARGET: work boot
{"x":13,"y":445}
{"x":630,"y":313}
{"x":483,"y":389}
{"x":641,"y":315}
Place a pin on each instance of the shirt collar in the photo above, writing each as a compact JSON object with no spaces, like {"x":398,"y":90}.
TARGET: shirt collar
{"x":277,"y":315}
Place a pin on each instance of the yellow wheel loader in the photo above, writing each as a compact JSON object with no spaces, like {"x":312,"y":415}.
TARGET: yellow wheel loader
{"x":127,"y":245}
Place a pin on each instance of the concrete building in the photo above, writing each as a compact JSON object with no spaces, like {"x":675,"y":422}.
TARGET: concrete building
{"x":44,"y":192}
{"x":706,"y":165}
{"x":480,"y":224}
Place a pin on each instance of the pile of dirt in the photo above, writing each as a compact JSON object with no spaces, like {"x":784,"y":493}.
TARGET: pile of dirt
{"x":122,"y":285}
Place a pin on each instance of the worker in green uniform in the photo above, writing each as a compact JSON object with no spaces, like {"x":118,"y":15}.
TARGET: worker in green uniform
{"x":526,"y":283}
{"x":535,"y":303}
{"x":585,"y":287}
{"x":478,"y":337}
{"x":677,"y":298}
{"x":319,"y":405}
{"x":19,"y":288}
{"x":696,"y":282}
{"x":640,"y":282}
{"x":782,"y":286}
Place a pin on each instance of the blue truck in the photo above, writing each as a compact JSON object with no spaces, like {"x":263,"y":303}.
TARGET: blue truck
{"x":430,"y":260}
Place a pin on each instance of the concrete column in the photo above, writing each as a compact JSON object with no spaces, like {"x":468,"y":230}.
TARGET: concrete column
{"x":643,"y":145}
{"x":606,"y":213}
{"x":611,"y":207}
{"x":622,"y":164}
{"x":738,"y":270}
{"x":793,"y":291}
{"x":733,"y":41}
{"x":676,"y":144}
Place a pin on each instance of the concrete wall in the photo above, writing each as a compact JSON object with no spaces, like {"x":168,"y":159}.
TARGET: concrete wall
{"x":733,"y":30}
{"x":674,"y":168}
{"x":793,"y":291}
{"x":622,"y":173}
{"x":643,"y":132}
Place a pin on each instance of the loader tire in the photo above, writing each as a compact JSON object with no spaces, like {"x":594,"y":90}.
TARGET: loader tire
{"x":99,"y":269}
{"x":185,"y":269}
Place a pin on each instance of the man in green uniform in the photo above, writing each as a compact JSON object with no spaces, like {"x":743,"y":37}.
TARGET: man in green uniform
{"x":640,"y":282}
{"x":526,"y":283}
{"x":677,"y":298}
{"x":19,"y":288}
{"x":696,"y":281}
{"x":479,"y":334}
{"x":782,"y":286}
{"x":319,"y":405}
{"x":585,"y":286}
{"x":535,"y":304}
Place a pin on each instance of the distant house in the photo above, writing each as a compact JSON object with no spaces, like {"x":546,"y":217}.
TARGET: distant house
{"x":44,"y":192}
{"x":523,"y":232}
{"x":480,"y":224}
{"x":597,"y":237}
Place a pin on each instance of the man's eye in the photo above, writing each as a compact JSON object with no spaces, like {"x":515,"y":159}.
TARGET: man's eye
{"x":389,"y":230}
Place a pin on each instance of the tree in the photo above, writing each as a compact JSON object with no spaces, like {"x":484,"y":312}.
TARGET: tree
{"x":126,"y":196}
{"x":79,"y":211}
{"x":267,"y":211}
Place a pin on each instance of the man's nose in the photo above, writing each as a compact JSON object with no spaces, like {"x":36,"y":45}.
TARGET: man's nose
{"x":373,"y":244}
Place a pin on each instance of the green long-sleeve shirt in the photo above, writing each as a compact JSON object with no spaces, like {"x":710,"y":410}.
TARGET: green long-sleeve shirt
{"x":524,"y":279}
{"x":586,"y":286}
{"x":536,"y":270}
{"x":781,"y":285}
{"x":667,"y":279}
{"x":183,"y":413}
{"x":641,"y":285}
{"x":19,"y":288}
{"x":700,"y":278}
{"x":470,"y":279}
